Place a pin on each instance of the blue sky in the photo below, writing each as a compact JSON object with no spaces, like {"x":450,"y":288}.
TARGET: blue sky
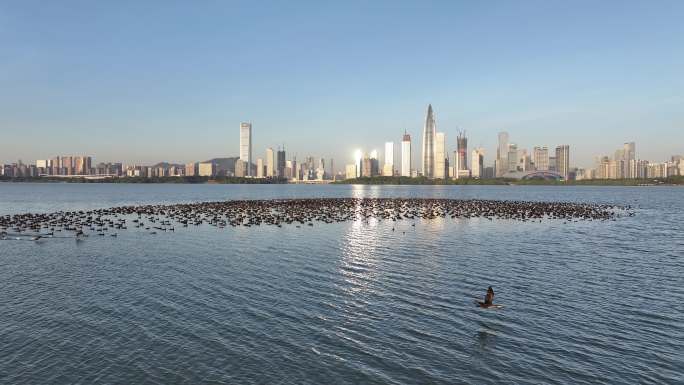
{"x":145,"y":81}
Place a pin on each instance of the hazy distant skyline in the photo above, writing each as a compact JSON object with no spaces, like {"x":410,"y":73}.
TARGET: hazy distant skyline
{"x":165,"y":81}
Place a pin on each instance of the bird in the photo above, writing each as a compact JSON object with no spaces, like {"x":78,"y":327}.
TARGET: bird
{"x":488,"y":300}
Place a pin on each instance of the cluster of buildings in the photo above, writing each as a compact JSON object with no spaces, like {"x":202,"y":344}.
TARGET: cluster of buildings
{"x":61,"y":166}
{"x":625,"y":165}
{"x":435,"y":163}
{"x":511,"y":161}
{"x":276,"y":165}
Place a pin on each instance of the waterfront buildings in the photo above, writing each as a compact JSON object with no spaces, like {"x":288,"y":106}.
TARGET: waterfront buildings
{"x":388,"y":168}
{"x":441,"y":168}
{"x":540,"y":158}
{"x":246,"y":145}
{"x":270,"y":163}
{"x":260,"y":171}
{"x":406,"y":163}
{"x":191,"y":169}
{"x":280,"y":163}
{"x":477,"y":163}
{"x":206,"y":169}
{"x":370,"y":165}
{"x":501,"y":162}
{"x":241,"y":168}
{"x":563,"y":160}
{"x":462,"y":151}
{"x":512,"y":158}
{"x":428,"y":155}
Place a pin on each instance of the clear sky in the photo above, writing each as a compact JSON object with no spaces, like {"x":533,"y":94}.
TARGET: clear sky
{"x":144,"y":81}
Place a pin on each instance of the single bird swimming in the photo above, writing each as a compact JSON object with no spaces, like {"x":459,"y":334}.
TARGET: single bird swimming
{"x":488,"y":300}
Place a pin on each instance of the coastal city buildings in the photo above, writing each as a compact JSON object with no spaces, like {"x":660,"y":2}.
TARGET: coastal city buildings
{"x":428,"y":155}
{"x":270,"y":163}
{"x":388,"y":168}
{"x":441,"y":163}
{"x":406,"y":162}
{"x":206,"y":169}
{"x":563,"y":160}
{"x":477,"y":163}
{"x":260,"y":168}
{"x":511,"y":161}
{"x":246,"y":145}
{"x":540,"y":158}
{"x":280,"y":163}
{"x":501,"y":162}
{"x":462,"y":150}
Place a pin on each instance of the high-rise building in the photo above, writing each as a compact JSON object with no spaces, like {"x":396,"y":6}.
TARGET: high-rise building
{"x":206,"y":169}
{"x":260,"y":168}
{"x":512,"y":157}
{"x":540,"y":157}
{"x":270,"y":163}
{"x":191,"y":169}
{"x":246,"y":145}
{"x":502,"y":154}
{"x":563,"y":160}
{"x":370,"y":165}
{"x":629,"y":153}
{"x":295,"y":171}
{"x":406,"y":155}
{"x":350,"y":171}
{"x":477,"y":163}
{"x":388,"y":169}
{"x":429,"y":131}
{"x":462,"y":150}
{"x":441,"y":161}
{"x":525,"y":162}
{"x":240,"y":168}
{"x":320,"y":170}
{"x":66,"y":163}
{"x":280,"y":165}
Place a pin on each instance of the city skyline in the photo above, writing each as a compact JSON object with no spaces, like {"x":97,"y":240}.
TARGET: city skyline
{"x":119,"y":90}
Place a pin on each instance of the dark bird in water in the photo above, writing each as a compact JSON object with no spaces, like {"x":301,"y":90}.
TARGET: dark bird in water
{"x":489,"y":297}
{"x":488,"y":300}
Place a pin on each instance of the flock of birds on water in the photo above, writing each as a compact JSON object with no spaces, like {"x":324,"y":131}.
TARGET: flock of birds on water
{"x":279,"y":212}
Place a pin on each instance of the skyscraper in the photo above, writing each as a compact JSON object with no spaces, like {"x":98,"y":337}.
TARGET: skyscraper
{"x":388,"y":169}
{"x":406,"y":155}
{"x":502,"y":154}
{"x":440,"y":169}
{"x":270,"y":163}
{"x":462,"y":149}
{"x":540,"y":157}
{"x":477,"y":163}
{"x":629,"y":153}
{"x":280,"y":163}
{"x":246,"y":145}
{"x":369,"y":165}
{"x":429,"y":131}
{"x":512,"y":157}
{"x":563,"y":160}
{"x":260,"y":168}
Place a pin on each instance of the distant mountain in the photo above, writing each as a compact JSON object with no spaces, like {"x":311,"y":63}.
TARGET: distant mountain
{"x":167,"y":165}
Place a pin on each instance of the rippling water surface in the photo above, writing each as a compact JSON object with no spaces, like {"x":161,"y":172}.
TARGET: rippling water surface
{"x":585,"y":302}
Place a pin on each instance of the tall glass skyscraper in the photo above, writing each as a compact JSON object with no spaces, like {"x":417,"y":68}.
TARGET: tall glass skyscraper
{"x":502,"y":154}
{"x":246,"y":145}
{"x":429,"y":131}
